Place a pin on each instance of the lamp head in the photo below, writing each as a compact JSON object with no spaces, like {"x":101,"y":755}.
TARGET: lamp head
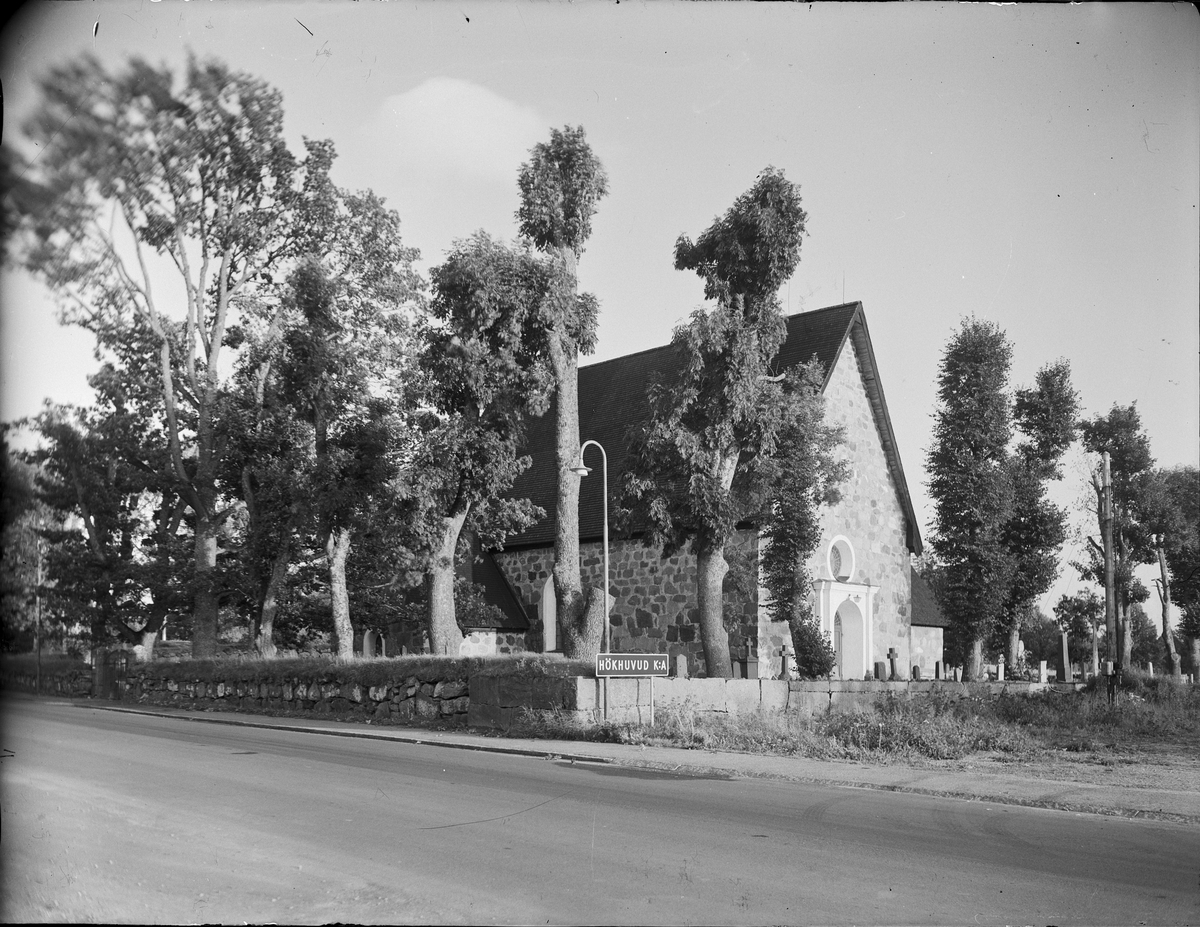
{"x":579,"y":468}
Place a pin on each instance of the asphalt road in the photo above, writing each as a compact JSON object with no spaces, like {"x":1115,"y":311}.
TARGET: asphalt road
{"x":131,"y":818}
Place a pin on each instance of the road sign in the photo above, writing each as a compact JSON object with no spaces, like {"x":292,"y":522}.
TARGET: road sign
{"x":632,"y":664}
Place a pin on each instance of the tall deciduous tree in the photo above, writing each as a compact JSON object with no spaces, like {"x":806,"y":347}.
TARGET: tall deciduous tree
{"x":343,"y":372}
{"x":484,"y":377}
{"x":337,"y":350}
{"x":724,"y":414}
{"x":1119,"y":433}
{"x":561,"y":184}
{"x":114,"y":562}
{"x":968,"y":480}
{"x":1045,"y":417}
{"x":137,"y":174}
{"x":24,"y":521}
{"x":1169,"y":511}
{"x":1081,"y":616}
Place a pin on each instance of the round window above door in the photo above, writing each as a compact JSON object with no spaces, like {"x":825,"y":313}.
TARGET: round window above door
{"x":841,"y":559}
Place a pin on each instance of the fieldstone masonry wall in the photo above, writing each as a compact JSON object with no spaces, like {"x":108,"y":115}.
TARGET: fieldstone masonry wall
{"x":420,"y":697}
{"x":75,"y":684}
{"x":486,"y":642}
{"x":869,"y":516}
{"x":654,"y":608}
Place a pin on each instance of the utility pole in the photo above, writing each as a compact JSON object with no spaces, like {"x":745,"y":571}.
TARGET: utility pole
{"x":1110,"y":591}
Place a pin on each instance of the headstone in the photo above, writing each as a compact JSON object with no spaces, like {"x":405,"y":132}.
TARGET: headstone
{"x":1000,"y":670}
{"x":785,"y":656}
{"x":958,"y":674}
{"x":681,"y":666}
{"x":880,"y":670}
{"x":1064,"y":660}
{"x":1150,"y":667}
{"x":1108,"y":667}
{"x":939,"y":671}
{"x":368,"y":647}
{"x":1043,"y":673}
{"x":893,"y":656}
{"x":916,"y":673}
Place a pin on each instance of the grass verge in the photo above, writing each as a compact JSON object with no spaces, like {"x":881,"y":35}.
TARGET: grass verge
{"x":930,"y":727}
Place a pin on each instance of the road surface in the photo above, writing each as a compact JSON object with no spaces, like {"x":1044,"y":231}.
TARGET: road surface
{"x":131,"y":818}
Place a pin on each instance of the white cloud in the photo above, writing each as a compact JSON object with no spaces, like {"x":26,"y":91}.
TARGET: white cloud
{"x":451,"y":126}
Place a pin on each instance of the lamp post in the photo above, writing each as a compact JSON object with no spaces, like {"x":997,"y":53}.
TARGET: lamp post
{"x":583,"y":470}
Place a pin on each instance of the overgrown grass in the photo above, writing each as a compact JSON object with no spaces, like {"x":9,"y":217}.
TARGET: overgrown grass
{"x":928,"y":727}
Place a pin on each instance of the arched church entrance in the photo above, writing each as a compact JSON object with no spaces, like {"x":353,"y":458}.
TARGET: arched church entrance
{"x":850,"y":641}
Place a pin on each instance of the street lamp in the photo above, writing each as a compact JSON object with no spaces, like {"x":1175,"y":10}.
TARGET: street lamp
{"x":583,"y":470}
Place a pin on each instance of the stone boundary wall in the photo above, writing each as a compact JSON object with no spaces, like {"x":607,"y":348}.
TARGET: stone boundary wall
{"x":498,"y":702}
{"x":74,"y":684}
{"x":424,"y":696}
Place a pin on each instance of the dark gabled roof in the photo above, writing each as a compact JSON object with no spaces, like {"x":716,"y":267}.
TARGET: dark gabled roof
{"x":925,"y":611}
{"x":612,"y":396}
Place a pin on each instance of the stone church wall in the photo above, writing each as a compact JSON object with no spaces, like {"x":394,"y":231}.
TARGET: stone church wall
{"x":654,"y":608}
{"x":926,"y":650}
{"x":869,"y":515}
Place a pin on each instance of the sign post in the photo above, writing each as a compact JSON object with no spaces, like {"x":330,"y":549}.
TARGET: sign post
{"x":610,"y":665}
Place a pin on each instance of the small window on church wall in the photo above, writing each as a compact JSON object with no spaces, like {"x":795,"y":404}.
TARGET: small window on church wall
{"x":841,"y":559}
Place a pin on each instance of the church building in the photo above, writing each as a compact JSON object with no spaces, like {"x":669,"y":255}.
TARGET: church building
{"x":867,"y":596}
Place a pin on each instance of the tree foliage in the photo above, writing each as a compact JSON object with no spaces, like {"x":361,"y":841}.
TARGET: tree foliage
{"x":1119,"y":434}
{"x":483,"y":378}
{"x":1082,"y":616}
{"x":807,"y":475}
{"x":707,"y":458}
{"x":138,"y":173}
{"x":968,"y":480}
{"x":1045,"y":418}
{"x":997,"y":536}
{"x":561,"y":185}
{"x":171,"y":220}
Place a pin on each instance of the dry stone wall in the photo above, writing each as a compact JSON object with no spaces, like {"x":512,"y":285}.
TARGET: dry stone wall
{"x":73,"y":684}
{"x":424,"y":696}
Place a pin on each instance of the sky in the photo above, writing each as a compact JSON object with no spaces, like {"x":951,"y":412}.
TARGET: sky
{"x":1035,"y":165}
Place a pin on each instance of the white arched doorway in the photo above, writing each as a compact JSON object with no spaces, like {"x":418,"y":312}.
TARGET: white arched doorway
{"x":850,"y":641}
{"x":845,"y":607}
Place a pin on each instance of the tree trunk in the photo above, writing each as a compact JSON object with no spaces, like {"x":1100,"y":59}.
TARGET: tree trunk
{"x":445,"y":637}
{"x":264,"y":639}
{"x":1164,"y":593}
{"x":584,"y":639}
{"x":568,"y":586}
{"x":711,"y":568}
{"x":1095,"y":651}
{"x":206,"y":601}
{"x":337,"y":548}
{"x":1195,"y":642}
{"x":1014,"y":646}
{"x":148,"y":640}
{"x":974,"y":667}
